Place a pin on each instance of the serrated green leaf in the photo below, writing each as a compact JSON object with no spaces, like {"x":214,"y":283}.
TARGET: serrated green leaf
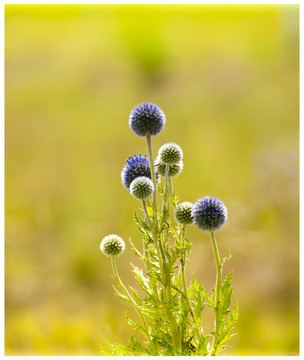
{"x":226,"y":292}
{"x":133,"y":323}
{"x":226,"y":257}
{"x":216,"y":335}
{"x":228,"y":337}
{"x":136,"y":296}
{"x":137,"y":252}
{"x":227,"y":281}
{"x":136,"y":347}
{"x":175,"y":200}
{"x":104,"y":351}
{"x":120,"y":295}
{"x":235,"y":313}
{"x":160,"y":189}
{"x":142,"y":280}
{"x":150,"y":210}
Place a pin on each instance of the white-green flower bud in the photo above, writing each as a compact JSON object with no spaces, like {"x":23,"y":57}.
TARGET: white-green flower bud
{"x":183,"y":213}
{"x":112,"y":245}
{"x":174,"y":169}
{"x":142,"y":188}
{"x":170,"y":153}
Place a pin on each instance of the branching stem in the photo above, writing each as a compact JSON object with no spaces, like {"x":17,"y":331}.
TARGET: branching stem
{"x":120,"y":283}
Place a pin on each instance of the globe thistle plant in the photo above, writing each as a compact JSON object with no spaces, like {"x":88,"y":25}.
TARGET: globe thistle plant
{"x":168,"y":307}
{"x":147,"y":119}
{"x":142,"y":188}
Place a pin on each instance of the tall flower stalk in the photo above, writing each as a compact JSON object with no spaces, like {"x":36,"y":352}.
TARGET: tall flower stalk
{"x":218,"y":286}
{"x":171,"y":308}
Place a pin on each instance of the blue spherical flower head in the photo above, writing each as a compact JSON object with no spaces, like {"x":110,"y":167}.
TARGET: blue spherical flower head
{"x":136,"y":166}
{"x":209,"y":213}
{"x":147,"y":119}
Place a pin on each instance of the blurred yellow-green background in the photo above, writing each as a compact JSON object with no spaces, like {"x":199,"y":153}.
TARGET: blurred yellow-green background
{"x":227,"y":78}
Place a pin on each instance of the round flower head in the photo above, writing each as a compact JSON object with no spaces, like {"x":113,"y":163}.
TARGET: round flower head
{"x":147,"y":119}
{"x":209,"y":213}
{"x":170,"y":154}
{"x":136,"y":166}
{"x":174,"y":169}
{"x":112,"y":245}
{"x":183,"y":213}
{"x":142,"y":188}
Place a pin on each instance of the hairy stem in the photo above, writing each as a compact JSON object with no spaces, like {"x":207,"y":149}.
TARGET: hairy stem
{"x":218,"y":284}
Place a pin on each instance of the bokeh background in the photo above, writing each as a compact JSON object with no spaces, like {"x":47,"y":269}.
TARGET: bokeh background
{"x":227,"y":78}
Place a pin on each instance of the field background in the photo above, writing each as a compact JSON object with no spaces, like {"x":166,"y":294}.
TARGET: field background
{"x":227,"y":79}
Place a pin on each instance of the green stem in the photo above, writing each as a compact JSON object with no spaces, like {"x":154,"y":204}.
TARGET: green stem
{"x":146,"y":213}
{"x":165,"y":279}
{"x":120,"y":283}
{"x":166,"y":189}
{"x":218,"y":284}
{"x":171,"y":185}
{"x":173,"y":324}
{"x":183,"y":263}
{"x":158,"y":244}
{"x":152,"y":169}
{"x":171,"y":191}
{"x":153,"y":283}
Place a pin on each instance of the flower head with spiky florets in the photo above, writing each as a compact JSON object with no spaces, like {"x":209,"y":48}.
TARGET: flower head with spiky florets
{"x":136,"y":166}
{"x":174,"y":169}
{"x":112,"y":245}
{"x":183,"y":213}
{"x":170,"y":153}
{"x":209,"y":213}
{"x":147,"y":119}
{"x":142,"y":188}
